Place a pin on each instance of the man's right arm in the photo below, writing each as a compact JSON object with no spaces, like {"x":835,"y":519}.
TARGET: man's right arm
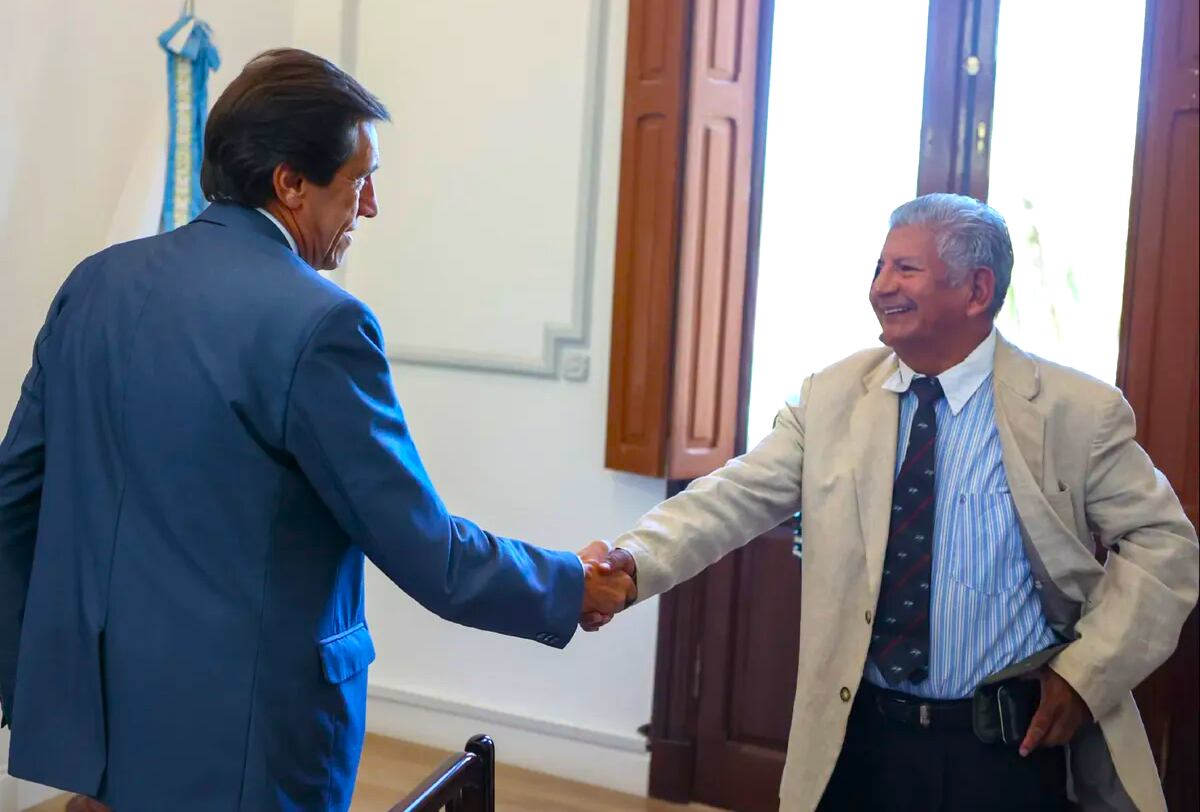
{"x":348,"y":434}
{"x":720,"y":512}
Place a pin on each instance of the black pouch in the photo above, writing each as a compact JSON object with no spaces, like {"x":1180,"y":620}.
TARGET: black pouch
{"x":1004,"y":705}
{"x":1001,"y":712}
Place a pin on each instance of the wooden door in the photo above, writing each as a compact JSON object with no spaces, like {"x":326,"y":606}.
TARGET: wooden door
{"x":1159,"y":368}
{"x":747,"y":675}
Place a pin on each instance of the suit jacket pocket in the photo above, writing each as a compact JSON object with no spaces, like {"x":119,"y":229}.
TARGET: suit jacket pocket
{"x":1061,"y":504}
{"x":346,"y":653}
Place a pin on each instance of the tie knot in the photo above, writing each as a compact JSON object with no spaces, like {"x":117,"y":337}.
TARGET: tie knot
{"x":927,"y":390}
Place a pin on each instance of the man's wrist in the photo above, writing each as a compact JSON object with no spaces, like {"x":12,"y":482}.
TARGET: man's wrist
{"x":624,"y":560}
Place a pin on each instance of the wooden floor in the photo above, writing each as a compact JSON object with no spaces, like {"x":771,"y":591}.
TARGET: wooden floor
{"x":391,"y":768}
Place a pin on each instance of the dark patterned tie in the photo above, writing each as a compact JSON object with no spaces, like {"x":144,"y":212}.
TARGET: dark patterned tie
{"x":900,"y":644}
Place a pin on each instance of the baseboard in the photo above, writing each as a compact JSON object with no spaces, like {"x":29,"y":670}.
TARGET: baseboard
{"x":17,"y":795}
{"x":610,"y":760}
{"x":8,"y":793}
{"x":30,"y":794}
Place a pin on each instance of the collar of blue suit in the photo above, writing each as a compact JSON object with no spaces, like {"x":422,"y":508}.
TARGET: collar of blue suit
{"x":231,"y":215}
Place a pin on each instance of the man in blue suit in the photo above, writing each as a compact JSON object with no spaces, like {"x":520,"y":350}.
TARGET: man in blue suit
{"x":205,"y":447}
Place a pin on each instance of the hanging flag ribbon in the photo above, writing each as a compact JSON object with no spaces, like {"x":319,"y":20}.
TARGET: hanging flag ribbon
{"x":191,"y":55}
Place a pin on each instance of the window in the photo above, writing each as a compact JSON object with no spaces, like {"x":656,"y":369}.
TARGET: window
{"x":1013,"y":104}
{"x":842,"y":150}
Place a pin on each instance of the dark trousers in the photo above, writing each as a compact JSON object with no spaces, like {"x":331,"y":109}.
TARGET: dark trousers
{"x":890,"y":766}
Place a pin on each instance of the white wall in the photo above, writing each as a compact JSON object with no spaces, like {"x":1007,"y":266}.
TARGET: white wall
{"x":82,"y":132}
{"x":82,"y":128}
{"x":499,"y":171}
{"x":522,"y":455}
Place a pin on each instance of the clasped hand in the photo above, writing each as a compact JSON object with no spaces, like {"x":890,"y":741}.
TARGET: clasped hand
{"x":610,"y":584}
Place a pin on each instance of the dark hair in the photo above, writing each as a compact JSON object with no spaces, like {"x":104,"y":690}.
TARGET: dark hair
{"x":286,"y":106}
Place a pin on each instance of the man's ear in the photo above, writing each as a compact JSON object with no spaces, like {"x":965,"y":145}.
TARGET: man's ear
{"x":982,"y":281}
{"x":289,"y":186}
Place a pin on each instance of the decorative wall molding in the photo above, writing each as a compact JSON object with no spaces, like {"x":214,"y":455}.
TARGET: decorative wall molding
{"x":564,"y":345}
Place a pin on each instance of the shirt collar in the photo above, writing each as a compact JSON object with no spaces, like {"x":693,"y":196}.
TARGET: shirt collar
{"x":960,"y":381}
{"x":291,"y":240}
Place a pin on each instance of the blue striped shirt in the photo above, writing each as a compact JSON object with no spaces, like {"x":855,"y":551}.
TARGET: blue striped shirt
{"x":984,"y":613}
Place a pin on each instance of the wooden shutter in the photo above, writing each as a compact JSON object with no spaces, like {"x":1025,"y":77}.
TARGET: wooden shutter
{"x":716,"y":225}
{"x":647,"y":249}
{"x":681,"y":280}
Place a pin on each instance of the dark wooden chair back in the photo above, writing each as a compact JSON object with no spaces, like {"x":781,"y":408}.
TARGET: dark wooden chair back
{"x":464,"y":782}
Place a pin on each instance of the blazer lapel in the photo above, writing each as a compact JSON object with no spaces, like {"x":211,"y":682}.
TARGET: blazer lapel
{"x":1016,"y":383}
{"x":1022,"y":430}
{"x":873,"y":425}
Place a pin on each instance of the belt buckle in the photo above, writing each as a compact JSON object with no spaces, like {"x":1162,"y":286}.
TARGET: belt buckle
{"x":924,"y":715}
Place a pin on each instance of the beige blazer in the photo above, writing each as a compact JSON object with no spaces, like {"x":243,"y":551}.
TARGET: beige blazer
{"x":1073,"y":469}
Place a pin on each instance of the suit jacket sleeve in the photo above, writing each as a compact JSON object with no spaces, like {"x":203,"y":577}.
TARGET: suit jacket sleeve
{"x":1132,"y":624}
{"x":720,"y":512}
{"x":22,"y":463}
{"x":346,"y":430}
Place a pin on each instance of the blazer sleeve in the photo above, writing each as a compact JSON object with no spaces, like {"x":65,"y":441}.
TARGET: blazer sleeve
{"x":346,"y":430}
{"x":720,"y":512}
{"x":1132,"y":623}
{"x":22,"y":467}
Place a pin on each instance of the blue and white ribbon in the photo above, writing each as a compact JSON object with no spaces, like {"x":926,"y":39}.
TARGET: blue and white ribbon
{"x":191,"y":55}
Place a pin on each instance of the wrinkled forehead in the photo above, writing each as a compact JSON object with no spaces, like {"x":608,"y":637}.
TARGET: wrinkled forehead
{"x":910,"y":242}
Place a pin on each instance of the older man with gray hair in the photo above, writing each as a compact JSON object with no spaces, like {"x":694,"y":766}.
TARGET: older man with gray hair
{"x":961,"y":646}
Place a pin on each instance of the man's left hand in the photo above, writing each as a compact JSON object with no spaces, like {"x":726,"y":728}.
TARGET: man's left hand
{"x":1060,"y":713}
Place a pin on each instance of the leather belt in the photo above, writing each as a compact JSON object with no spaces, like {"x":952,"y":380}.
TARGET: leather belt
{"x":913,"y":711}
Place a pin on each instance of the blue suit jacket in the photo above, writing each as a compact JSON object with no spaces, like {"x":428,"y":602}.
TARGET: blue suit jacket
{"x":206,"y":444}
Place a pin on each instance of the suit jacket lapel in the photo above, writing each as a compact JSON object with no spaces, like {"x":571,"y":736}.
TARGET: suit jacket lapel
{"x":1022,"y":429}
{"x":1016,"y":383}
{"x":874,"y":425}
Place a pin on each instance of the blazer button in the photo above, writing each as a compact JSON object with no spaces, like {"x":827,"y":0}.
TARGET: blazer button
{"x":869,"y":618}
{"x":845,"y":694}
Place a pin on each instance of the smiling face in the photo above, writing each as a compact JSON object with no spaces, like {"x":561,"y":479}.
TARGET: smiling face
{"x":321,"y":218}
{"x":929,"y":317}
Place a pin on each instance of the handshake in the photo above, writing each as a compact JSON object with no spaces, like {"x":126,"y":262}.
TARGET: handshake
{"x":609,"y":583}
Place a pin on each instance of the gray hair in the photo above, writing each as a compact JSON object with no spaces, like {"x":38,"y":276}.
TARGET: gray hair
{"x":969,"y":235}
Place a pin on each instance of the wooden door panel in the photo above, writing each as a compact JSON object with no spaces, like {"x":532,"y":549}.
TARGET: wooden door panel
{"x":748,"y":674}
{"x":763,"y":659}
